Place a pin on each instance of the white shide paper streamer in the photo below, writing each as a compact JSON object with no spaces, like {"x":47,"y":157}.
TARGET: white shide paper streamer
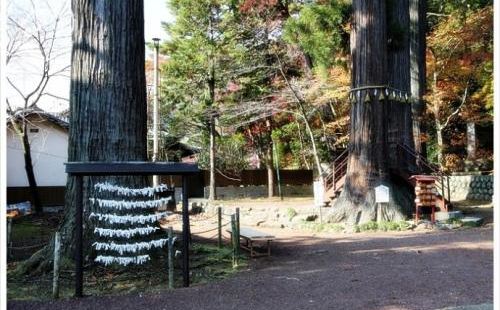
{"x":124,"y":260}
{"x":128,"y":218}
{"x":129,"y":205}
{"x":130,"y":247}
{"x":132,"y":219}
{"x":125,"y":233}
{"x":130,"y":192}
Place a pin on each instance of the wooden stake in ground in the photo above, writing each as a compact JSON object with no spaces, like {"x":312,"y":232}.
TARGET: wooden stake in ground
{"x":237,"y":231}
{"x":57,"y":255}
{"x":234,"y":232}
{"x":170,"y":257}
{"x":219,"y":223}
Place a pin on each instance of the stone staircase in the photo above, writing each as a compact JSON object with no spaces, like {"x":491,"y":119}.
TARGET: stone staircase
{"x":335,"y":179}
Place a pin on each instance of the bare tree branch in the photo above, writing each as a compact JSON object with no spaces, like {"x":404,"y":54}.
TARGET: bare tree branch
{"x":26,"y":29}
{"x":55,"y":96}
{"x":464,"y":98}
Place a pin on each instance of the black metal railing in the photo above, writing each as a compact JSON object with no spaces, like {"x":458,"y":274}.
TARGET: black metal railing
{"x":443,"y":181}
{"x":338,"y":170}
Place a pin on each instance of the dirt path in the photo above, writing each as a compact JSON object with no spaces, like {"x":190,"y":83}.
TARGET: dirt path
{"x":361,"y":271}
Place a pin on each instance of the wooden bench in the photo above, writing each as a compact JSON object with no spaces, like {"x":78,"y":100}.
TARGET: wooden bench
{"x":250,"y":236}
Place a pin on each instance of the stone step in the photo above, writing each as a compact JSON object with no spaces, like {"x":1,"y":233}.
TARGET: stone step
{"x":444,"y":216}
{"x":472,"y":221}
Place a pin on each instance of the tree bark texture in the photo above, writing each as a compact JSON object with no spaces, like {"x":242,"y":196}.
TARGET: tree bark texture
{"x":107,"y":103}
{"x":400,"y":114}
{"x":417,"y":66}
{"x":398,"y":63}
{"x":368,"y":144}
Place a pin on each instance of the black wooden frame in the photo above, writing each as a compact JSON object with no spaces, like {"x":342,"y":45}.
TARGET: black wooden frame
{"x":78,"y":170}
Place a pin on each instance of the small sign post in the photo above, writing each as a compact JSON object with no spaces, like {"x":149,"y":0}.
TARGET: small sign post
{"x":319,"y":197}
{"x":381,"y":196}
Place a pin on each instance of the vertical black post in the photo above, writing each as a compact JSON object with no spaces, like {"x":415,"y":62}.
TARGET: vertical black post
{"x":185,"y":233}
{"x":234,"y":236}
{"x":219,"y":224}
{"x":79,"y":236}
{"x":237,"y":230}
{"x":170,"y":257}
{"x":9,"y":237}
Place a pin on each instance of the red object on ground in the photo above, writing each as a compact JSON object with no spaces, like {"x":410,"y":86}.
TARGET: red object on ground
{"x":425,"y":192}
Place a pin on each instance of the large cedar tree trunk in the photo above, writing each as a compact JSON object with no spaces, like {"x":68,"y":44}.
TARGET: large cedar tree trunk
{"x":368,"y":164}
{"x":417,"y":67}
{"x":107,"y":103}
{"x":400,"y":112}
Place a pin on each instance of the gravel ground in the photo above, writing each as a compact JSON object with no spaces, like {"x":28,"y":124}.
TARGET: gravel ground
{"x":405,"y":270}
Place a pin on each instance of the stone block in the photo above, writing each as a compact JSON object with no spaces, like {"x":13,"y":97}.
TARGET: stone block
{"x":444,"y":216}
{"x":472,"y":221}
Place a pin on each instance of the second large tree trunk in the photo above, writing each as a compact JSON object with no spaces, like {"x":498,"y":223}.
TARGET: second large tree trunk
{"x":107,"y":103}
{"x":417,"y":68}
{"x":368,"y":147}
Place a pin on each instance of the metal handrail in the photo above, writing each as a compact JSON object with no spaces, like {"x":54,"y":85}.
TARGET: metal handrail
{"x":339,"y":164}
{"x":344,"y":152}
{"x":434,"y":170}
{"x":332,"y":178}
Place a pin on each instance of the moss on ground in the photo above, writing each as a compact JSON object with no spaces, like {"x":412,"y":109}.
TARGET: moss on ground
{"x":382,"y":226}
{"x":291,"y":213}
{"x":322,"y":227}
{"x":207,"y":263}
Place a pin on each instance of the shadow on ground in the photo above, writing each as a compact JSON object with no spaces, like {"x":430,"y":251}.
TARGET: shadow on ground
{"x":361,"y":271}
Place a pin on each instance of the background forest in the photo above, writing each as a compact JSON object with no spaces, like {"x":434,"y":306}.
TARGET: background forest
{"x":252,"y":78}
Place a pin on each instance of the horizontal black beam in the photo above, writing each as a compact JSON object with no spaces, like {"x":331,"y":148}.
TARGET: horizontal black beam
{"x":130,"y":168}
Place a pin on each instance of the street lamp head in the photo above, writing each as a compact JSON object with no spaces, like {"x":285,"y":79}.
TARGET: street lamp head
{"x":156,"y":42}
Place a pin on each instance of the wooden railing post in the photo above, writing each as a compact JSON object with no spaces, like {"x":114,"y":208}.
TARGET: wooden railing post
{"x":234,"y":232}
{"x":57,"y":255}
{"x":219,"y":224}
{"x":237,"y":230}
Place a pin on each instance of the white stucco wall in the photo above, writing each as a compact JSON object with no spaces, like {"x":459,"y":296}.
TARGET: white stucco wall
{"x":49,"y":147}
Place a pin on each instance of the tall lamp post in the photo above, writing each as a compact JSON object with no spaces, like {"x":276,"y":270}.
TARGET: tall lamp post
{"x":156,"y":42}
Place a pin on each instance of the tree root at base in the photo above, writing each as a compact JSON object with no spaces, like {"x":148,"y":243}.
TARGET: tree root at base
{"x":346,"y":210}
